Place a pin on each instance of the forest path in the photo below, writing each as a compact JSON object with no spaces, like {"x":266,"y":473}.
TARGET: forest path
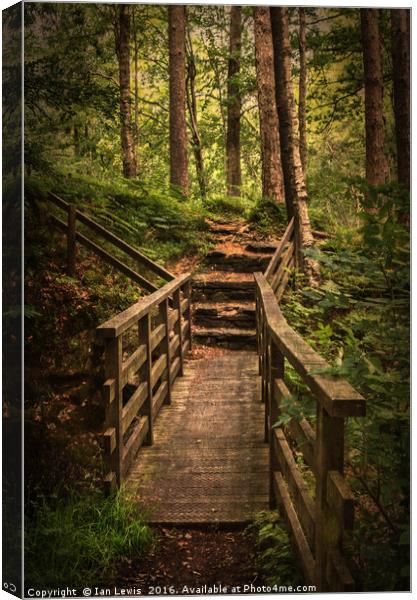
{"x":223,"y":285}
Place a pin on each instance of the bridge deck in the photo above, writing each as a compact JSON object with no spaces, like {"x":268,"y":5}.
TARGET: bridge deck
{"x":208,"y":463}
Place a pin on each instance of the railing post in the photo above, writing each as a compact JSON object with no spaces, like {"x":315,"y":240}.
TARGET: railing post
{"x":188,"y":296}
{"x":114,"y":407}
{"x":145,"y":372}
{"x":329,"y":457}
{"x":178,"y":328}
{"x":276,"y":371}
{"x":71,"y":244}
{"x":163,"y":307}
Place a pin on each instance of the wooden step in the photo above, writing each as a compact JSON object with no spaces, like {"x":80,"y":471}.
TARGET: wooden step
{"x":262,"y":247}
{"x":218,"y":290}
{"x":239,"y":263}
{"x":219,"y":315}
{"x":235,"y":339}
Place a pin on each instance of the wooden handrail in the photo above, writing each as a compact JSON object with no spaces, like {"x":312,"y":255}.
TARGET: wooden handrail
{"x":339,"y":398}
{"x":118,"y":324}
{"x":283,"y":260}
{"x":319,"y":529}
{"x":113,"y":239}
{"x":163,"y":335}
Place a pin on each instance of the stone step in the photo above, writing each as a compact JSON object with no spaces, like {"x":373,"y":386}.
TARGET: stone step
{"x":218,"y":290}
{"x":262,"y":247}
{"x":239,"y":263}
{"x":220,"y":315}
{"x":236,"y":339}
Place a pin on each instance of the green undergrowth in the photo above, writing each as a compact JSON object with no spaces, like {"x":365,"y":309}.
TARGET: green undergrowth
{"x":358,"y":319}
{"x":151,"y":217}
{"x":275,"y":559}
{"x":80,"y":540}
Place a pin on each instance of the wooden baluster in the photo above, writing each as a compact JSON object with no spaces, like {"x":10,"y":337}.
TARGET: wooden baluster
{"x":113,"y":370}
{"x":329,"y":457}
{"x":166,"y":349}
{"x":276,"y":371}
{"x":258,"y":328}
{"x":71,"y":245}
{"x":145,"y":372}
{"x":178,"y":328}
{"x":187,"y":295}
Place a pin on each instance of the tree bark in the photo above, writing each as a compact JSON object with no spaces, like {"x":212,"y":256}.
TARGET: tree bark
{"x":272,"y":177}
{"x":234,"y":105}
{"x":136,"y":78}
{"x":122,"y":38}
{"x":400,"y":43}
{"x":295,"y":189}
{"x":192,"y":109}
{"x":302,"y":88}
{"x":177,"y":95}
{"x":376,"y":163}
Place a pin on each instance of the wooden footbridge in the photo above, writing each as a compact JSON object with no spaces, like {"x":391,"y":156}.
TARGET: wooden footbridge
{"x":197,"y":436}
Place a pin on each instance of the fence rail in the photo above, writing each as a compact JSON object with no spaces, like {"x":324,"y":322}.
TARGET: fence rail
{"x":319,"y":527}
{"x":69,"y":226}
{"x":148,"y":359}
{"x":283,"y":261}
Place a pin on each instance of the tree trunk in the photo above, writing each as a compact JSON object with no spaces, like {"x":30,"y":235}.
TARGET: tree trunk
{"x":400,"y":42}
{"x":234,"y":103}
{"x":122,"y":37}
{"x":295,"y":190}
{"x":376,"y":163}
{"x":272,"y":177}
{"x":302,"y":88}
{"x":192,"y":109}
{"x":177,"y":94}
{"x":136,"y":78}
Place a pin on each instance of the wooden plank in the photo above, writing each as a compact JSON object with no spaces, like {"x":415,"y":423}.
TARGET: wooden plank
{"x":173,"y":344}
{"x":338,"y":397}
{"x":286,"y":259}
{"x":284,"y":280}
{"x":175,"y":367}
{"x":159,"y":397}
{"x":302,"y":432}
{"x":133,"y":363}
{"x":303,"y":502}
{"x":276,"y":373}
{"x":109,"y":483}
{"x":113,"y":417}
{"x":329,"y":457}
{"x":134,"y":404}
{"x":178,"y":327}
{"x":108,"y":258}
{"x":121,"y":322}
{"x":109,"y":440}
{"x":166,"y":346}
{"x":275,"y":258}
{"x":188,"y":295}
{"x":340,"y":499}
{"x":145,"y":372}
{"x":158,"y":368}
{"x":116,"y":241}
{"x":338,"y":575}
{"x":134,"y":442}
{"x":299,"y":539}
{"x":109,"y":391}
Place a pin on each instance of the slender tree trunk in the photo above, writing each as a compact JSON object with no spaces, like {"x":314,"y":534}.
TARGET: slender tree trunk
{"x":122,"y":37}
{"x":376,"y":163}
{"x":177,"y":95}
{"x":136,"y":77}
{"x":302,"y":88}
{"x":192,"y":109}
{"x":400,"y":42}
{"x":295,"y":189}
{"x":272,"y":177}
{"x":234,"y":104}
